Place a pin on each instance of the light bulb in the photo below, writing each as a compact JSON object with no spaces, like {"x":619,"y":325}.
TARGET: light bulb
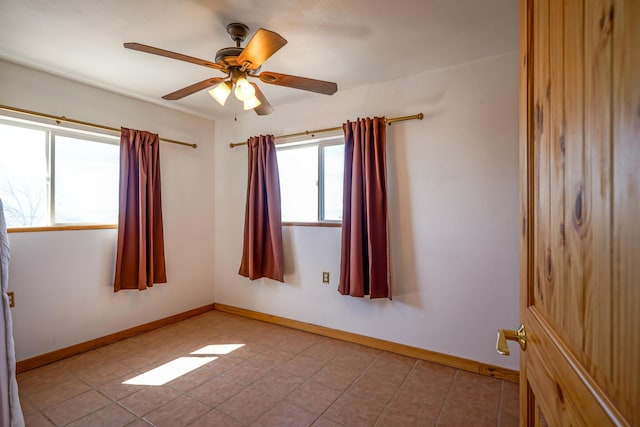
{"x":244,"y":89}
{"x":251,"y":103}
{"x":220,"y":92}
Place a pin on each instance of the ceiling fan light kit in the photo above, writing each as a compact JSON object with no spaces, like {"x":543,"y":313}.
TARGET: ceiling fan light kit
{"x":244,"y":90}
{"x":220,"y":92}
{"x":251,"y":103}
{"x":238,"y":64}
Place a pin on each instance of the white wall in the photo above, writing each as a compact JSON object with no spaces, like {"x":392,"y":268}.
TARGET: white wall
{"x":453,"y":189}
{"x":63,"y":280}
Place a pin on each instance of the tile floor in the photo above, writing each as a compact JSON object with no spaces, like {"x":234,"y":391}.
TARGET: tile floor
{"x":277,"y":377}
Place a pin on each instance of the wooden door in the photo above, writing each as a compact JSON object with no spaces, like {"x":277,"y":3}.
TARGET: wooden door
{"x":580,"y":212}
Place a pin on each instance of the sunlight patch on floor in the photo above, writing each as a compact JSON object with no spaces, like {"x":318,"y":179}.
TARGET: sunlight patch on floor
{"x":218,"y":349}
{"x":170,"y":371}
{"x":182,"y":365}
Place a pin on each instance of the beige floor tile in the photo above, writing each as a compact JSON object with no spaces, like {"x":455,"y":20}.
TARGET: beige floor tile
{"x":509,"y":400}
{"x":198,"y":376}
{"x":76,"y":407}
{"x":355,"y":360}
{"x":36,"y":419}
{"x":112,"y":415}
{"x":353,"y":411}
{"x":434,"y":367}
{"x":26,"y":405}
{"x":116,"y":389}
{"x":223,"y":363}
{"x":322,"y":351}
{"x":295,"y":348}
{"x":248,"y":405}
{"x":247,"y":351}
{"x":433,"y":381}
{"x":430,"y":407}
{"x":285,"y":414}
{"x":104,"y":373}
{"x":57,"y":393}
{"x":303,"y":366}
{"x":248,"y":372}
{"x":313,"y":397}
{"x":42,"y":379}
{"x":475,"y":390}
{"x":179,"y":412}
{"x":336,"y":376}
{"x":149,"y":398}
{"x":422,"y":395}
{"x":275,"y":357}
{"x":508,"y":420}
{"x":396,"y":419}
{"x":326,"y":422}
{"x":148,"y":356}
{"x":408,"y":361}
{"x":377,"y":390}
{"x":472,"y":400}
{"x":409,"y":401}
{"x":390,"y":368}
{"x":215,"y":418}
{"x":363,"y":349}
{"x":84,"y":362}
{"x":38,"y":372}
{"x":471,"y":416}
{"x":121,"y":349}
{"x":140,"y":423}
{"x":296,"y":344}
{"x":278,"y":383}
{"x":217,"y":390}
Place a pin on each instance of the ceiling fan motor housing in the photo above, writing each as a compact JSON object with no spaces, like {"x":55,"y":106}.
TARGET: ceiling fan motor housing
{"x":238,"y":32}
{"x":228,"y":56}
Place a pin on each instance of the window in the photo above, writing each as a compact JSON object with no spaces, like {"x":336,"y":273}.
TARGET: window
{"x":50,"y":176}
{"x":311,"y":180}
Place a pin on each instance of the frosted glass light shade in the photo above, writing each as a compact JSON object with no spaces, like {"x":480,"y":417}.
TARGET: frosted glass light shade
{"x":244,"y":89}
{"x":251,"y":103}
{"x":220,"y":92}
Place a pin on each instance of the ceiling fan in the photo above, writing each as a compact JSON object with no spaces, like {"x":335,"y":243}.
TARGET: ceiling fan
{"x":239,"y":63}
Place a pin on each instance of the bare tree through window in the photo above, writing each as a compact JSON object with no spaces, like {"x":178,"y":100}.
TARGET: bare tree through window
{"x":23,"y":204}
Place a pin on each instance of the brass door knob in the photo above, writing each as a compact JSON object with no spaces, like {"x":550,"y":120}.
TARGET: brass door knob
{"x":508,"y":334}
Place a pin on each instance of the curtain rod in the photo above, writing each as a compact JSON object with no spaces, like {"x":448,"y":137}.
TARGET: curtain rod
{"x":60,"y":119}
{"x":418,"y":116}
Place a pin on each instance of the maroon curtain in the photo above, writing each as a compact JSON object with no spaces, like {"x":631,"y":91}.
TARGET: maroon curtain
{"x":140,"y":258}
{"x":262,"y":254}
{"x":364,"y":265}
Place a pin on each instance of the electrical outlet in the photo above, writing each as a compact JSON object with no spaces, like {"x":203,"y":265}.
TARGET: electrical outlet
{"x":325,"y":277}
{"x":12,"y":299}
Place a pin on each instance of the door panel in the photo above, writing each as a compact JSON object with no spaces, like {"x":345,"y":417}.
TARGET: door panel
{"x":580,"y":207}
{"x":574,"y":108}
{"x":625,"y":339}
{"x":562,"y":389}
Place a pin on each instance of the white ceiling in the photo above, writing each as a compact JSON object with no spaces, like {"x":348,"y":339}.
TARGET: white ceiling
{"x":350,"y":42}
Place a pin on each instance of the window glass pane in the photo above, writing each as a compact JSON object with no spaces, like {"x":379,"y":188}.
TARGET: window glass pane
{"x":23,"y":176}
{"x":298,"y":168}
{"x":333,"y":171}
{"x":86,"y":181}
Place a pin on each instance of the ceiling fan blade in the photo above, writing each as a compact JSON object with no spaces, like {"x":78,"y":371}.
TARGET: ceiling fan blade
{"x":262,"y":45}
{"x":319,"y":86}
{"x":264,"y":108}
{"x":192,"y":89}
{"x":169,"y":54}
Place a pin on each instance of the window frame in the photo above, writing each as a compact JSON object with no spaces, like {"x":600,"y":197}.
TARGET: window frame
{"x":51,"y":132}
{"x":320,"y":144}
